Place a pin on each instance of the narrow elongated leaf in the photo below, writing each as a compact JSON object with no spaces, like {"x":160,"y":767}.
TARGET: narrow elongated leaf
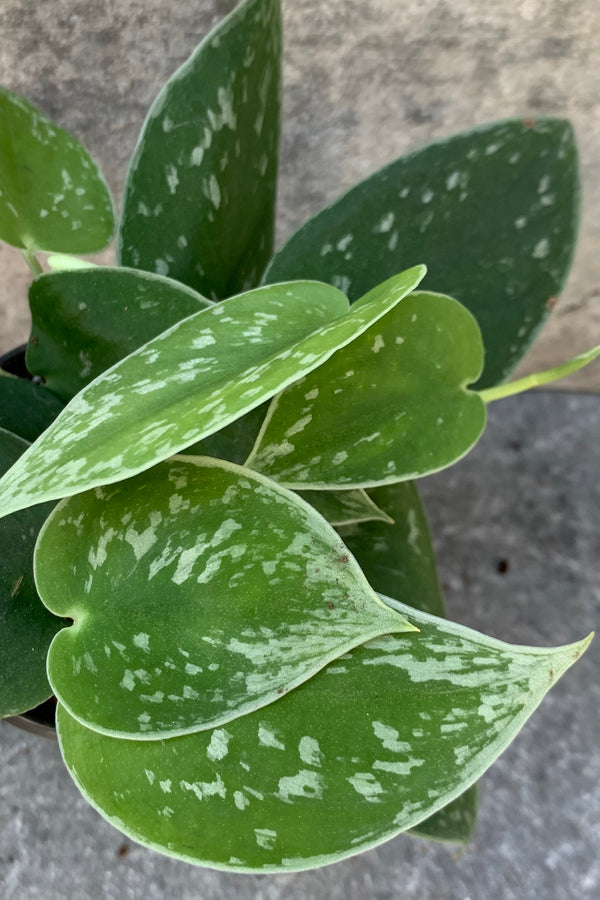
{"x":235,"y":441}
{"x":52,"y":195}
{"x":492,"y":212}
{"x":191,"y":381}
{"x":364,"y":750}
{"x":398,"y":559}
{"x":26,"y":626}
{"x":26,"y":409}
{"x":200,"y":195}
{"x":391,"y":405}
{"x":85,"y":321}
{"x":199,"y":592}
{"x":345,"y":507}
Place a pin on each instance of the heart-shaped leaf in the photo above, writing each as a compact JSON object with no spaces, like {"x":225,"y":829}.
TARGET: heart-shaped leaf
{"x":492,"y":212}
{"x":85,"y":321}
{"x":391,"y":405}
{"x":191,"y":381}
{"x":345,"y":507}
{"x":371,"y":746}
{"x":26,"y":409}
{"x":199,"y":592}
{"x":26,"y":626}
{"x":200,"y":195}
{"x":52,"y":195}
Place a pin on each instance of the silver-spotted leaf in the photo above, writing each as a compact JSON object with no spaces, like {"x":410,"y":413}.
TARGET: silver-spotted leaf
{"x":26,"y":626}
{"x":370,"y":747}
{"x":397,"y":559}
{"x":199,"y":592}
{"x":390,"y":406}
{"x":52,"y":194}
{"x":492,"y":212}
{"x":85,"y":321}
{"x":190,"y":382}
{"x":200,"y":195}
{"x":26,"y":409}
{"x":345,"y":507}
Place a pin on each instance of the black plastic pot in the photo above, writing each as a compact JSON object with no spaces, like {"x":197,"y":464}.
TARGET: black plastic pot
{"x":40,"y":720}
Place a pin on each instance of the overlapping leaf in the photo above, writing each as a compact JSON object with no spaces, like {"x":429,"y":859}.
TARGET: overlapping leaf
{"x":200,"y":195}
{"x":492,"y":212}
{"x":52,"y":195}
{"x":85,"y":321}
{"x":26,"y":626}
{"x":398,"y":559}
{"x":199,"y":592}
{"x":391,"y":405}
{"x":369,"y":747}
{"x":26,"y":409}
{"x":190,"y":382}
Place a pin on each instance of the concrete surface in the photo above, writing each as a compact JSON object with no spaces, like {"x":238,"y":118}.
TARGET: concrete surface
{"x":366,"y":80}
{"x":517,"y":527}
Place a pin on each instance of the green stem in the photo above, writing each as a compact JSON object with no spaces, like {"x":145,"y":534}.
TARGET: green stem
{"x":538,"y":378}
{"x":33,"y":262}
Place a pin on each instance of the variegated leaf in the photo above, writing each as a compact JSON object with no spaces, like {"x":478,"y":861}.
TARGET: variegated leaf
{"x":371,"y":746}
{"x":493,"y":213}
{"x":85,"y":321}
{"x":190,"y":382}
{"x":200,"y":195}
{"x":26,"y":626}
{"x":52,"y":194}
{"x":198,"y":592}
{"x":390,"y":406}
{"x":345,"y":507}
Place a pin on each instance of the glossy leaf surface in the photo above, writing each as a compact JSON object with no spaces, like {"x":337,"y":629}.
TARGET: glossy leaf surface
{"x":369,"y":747}
{"x":26,"y":626}
{"x":492,"y":212}
{"x":345,"y":507}
{"x":390,"y":406}
{"x":190,"y":382}
{"x":199,"y":592}
{"x":200,"y":195}
{"x":26,"y":409}
{"x":83,"y":322}
{"x":53,"y":196}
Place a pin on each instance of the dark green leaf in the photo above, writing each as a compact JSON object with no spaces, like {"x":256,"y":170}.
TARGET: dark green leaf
{"x":200,"y":195}
{"x":26,"y":409}
{"x":85,"y":321}
{"x":52,"y":195}
{"x":26,"y":626}
{"x":492,"y":212}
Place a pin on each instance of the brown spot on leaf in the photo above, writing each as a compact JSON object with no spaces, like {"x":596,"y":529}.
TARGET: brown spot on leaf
{"x":551,"y":302}
{"x":527,"y":123}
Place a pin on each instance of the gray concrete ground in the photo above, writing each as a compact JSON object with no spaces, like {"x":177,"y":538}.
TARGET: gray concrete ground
{"x":517,"y":528}
{"x":366,"y":80}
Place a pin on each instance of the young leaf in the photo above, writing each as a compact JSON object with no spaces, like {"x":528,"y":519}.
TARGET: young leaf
{"x":390,"y":406}
{"x":492,"y":212}
{"x":199,"y":592}
{"x":345,"y":507}
{"x":26,"y":409}
{"x":191,"y":381}
{"x":378,"y":741}
{"x":85,"y":321}
{"x":454,"y":823}
{"x":52,"y":195}
{"x":200,"y":195}
{"x":26,"y":626}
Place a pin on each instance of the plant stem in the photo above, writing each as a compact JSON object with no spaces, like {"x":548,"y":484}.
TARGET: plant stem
{"x":538,"y":378}
{"x":33,"y":262}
